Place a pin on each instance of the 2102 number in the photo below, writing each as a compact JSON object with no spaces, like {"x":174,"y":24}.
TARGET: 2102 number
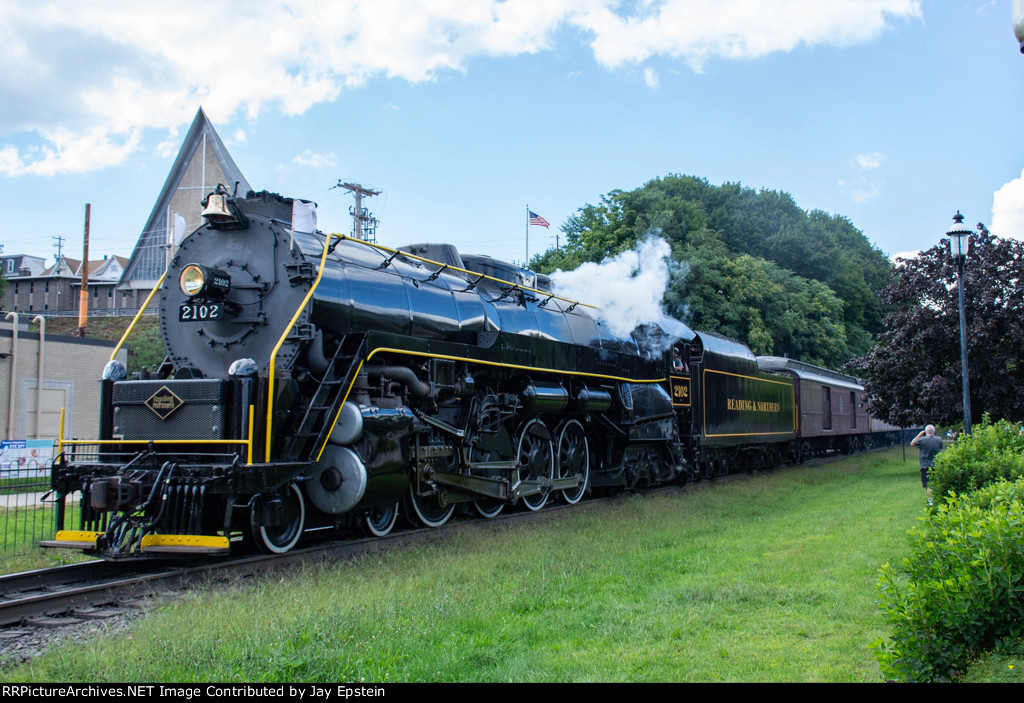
{"x":200,"y":313}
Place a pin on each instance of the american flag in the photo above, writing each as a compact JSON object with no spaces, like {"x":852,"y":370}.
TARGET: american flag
{"x":536,"y":219}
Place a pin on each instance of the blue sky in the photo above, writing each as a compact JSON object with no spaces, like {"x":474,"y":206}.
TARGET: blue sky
{"x":893,"y":113}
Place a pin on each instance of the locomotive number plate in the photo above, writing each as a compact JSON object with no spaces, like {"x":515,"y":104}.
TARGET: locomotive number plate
{"x":195,"y":312}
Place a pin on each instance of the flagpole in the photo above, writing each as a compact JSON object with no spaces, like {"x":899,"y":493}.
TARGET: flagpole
{"x":527,"y":262}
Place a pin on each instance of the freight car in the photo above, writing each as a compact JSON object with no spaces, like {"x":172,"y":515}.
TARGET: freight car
{"x":315,"y":382}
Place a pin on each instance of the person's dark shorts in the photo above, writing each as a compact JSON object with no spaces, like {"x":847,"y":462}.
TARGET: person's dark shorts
{"x":924,"y":476}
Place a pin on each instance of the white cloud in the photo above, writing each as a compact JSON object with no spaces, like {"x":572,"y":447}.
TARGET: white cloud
{"x":869,"y":162}
{"x":315,"y":160}
{"x":240,"y":136}
{"x":651,"y":78}
{"x":913,"y":254}
{"x":861,"y":189}
{"x":1008,"y":209}
{"x":697,"y":30}
{"x":81,"y":80}
{"x":67,"y":152}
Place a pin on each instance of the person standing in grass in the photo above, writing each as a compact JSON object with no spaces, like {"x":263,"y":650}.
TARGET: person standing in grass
{"x":929,"y":445}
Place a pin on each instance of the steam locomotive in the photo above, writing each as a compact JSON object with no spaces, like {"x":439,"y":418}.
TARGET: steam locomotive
{"x":316,"y":382}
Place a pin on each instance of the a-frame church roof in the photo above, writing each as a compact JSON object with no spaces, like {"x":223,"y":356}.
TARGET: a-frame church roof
{"x":203,"y":161}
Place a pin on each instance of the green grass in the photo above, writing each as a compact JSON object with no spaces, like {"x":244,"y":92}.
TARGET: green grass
{"x":25,"y":484}
{"x":769,"y":579}
{"x":145,"y":346}
{"x":22,"y":528}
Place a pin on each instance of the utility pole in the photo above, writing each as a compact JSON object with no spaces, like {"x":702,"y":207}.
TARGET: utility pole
{"x":83,"y":296}
{"x":60,"y":247}
{"x":364,"y":225}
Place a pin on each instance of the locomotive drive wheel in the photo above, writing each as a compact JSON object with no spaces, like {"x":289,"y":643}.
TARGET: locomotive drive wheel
{"x":428,"y":510}
{"x":536,"y":459}
{"x":573,"y":459}
{"x":380,"y":521}
{"x":487,"y":507}
{"x":278,"y":539}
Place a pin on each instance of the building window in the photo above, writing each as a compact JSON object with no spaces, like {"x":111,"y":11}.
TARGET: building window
{"x":31,"y":287}
{"x":46,"y":288}
{"x":95,"y":292}
{"x":853,"y":409}
{"x":10,"y":266}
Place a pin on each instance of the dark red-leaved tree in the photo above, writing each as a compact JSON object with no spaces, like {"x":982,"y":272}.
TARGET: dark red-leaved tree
{"x":913,"y":374}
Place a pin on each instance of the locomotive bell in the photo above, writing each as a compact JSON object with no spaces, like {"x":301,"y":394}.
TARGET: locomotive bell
{"x":216,"y":209}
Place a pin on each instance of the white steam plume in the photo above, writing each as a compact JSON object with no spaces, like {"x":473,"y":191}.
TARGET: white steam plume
{"x":627,"y":289}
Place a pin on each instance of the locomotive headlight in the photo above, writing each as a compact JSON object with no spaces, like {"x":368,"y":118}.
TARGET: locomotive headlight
{"x":191,"y":279}
{"x":196,"y":280}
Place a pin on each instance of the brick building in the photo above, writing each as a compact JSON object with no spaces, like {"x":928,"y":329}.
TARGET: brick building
{"x":54,"y":291}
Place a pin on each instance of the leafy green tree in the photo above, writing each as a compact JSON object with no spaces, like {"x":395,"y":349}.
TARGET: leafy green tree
{"x":914,"y":374}
{"x":811,"y":263}
{"x":757,"y":302}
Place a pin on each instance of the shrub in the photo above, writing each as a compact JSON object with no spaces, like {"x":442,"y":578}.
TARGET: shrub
{"x":994,"y":451}
{"x":961,"y":591}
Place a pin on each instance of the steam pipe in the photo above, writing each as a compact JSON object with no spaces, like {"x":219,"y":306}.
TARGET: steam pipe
{"x":39,"y":378}
{"x":404,"y":374}
{"x":14,"y":375}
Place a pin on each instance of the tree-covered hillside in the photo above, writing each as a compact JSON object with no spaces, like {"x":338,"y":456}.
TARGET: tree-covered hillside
{"x":756,"y":266}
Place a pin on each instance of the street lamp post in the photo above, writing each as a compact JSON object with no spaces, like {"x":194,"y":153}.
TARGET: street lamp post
{"x":959,"y":244}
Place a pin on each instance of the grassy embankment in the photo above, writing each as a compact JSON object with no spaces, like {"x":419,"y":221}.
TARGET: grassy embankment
{"x":768,"y":579}
{"x":145,"y":347}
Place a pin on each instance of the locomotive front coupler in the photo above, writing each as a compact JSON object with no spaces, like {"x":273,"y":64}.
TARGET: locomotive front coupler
{"x":120,"y":492}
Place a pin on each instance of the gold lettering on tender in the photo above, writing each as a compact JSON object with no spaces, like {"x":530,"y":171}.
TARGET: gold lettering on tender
{"x":746,"y":405}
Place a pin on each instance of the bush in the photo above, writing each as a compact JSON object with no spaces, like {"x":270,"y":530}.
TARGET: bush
{"x":961,"y":592}
{"x":992,"y":452}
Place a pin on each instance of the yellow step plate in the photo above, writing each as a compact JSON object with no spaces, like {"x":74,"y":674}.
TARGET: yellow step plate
{"x":72,"y":539}
{"x":185,"y":544}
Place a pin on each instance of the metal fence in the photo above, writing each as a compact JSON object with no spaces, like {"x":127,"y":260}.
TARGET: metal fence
{"x":25,"y":518}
